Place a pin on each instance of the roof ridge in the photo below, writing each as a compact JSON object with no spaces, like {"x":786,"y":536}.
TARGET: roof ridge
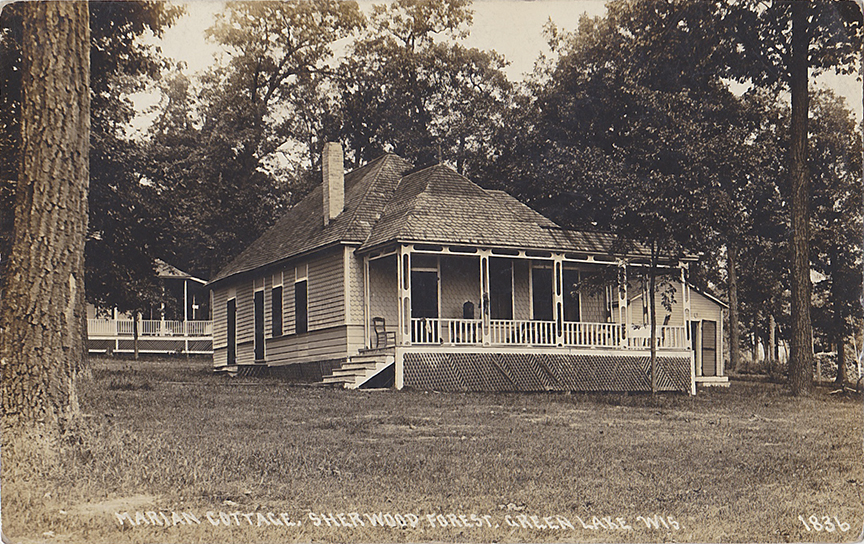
{"x":380,"y":166}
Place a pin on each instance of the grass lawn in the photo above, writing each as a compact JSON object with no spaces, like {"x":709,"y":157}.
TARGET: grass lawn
{"x":168,"y":452}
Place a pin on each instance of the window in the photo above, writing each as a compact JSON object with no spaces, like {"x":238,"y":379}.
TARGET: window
{"x":301,"y":297}
{"x":232,"y":331}
{"x":500,"y":288}
{"x":276,"y":306}
{"x":424,"y":293}
{"x":259,"y":325}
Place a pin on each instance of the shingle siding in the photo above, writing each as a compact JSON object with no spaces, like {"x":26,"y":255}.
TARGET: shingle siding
{"x":384,"y":300}
{"x":521,"y":290}
{"x":355,"y":287}
{"x":460,"y":282}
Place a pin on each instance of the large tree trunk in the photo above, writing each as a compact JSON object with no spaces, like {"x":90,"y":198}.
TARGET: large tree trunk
{"x":42,"y":347}
{"x":801,"y":341}
{"x":734,"y":334}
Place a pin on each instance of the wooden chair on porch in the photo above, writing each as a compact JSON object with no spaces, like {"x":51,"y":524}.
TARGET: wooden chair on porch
{"x":383,"y":337}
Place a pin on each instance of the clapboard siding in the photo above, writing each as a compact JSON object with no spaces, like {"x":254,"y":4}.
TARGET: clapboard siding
{"x":326,"y":290}
{"x":220,"y":320}
{"x":245,"y":313}
{"x":355,"y":287}
{"x":313,"y":346}
{"x":356,"y":338}
{"x":703,"y":308}
{"x":246,"y":353}
{"x":220,"y":357}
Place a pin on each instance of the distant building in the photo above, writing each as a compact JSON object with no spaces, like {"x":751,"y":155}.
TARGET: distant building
{"x":179,"y":324}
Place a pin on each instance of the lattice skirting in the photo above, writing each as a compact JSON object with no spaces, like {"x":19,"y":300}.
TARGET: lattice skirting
{"x":542,"y":372}
{"x":151,"y":345}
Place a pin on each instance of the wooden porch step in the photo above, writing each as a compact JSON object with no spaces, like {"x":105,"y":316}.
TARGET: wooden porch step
{"x":337,"y":379}
{"x":365,"y":365}
{"x":358,"y":370}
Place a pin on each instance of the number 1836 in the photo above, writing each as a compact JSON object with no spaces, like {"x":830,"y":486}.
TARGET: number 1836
{"x":828,"y":524}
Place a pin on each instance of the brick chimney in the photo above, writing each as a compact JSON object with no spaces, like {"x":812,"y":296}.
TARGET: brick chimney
{"x":333,"y":172}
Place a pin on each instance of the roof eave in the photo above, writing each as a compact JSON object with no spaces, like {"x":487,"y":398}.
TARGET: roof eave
{"x":283,"y":260}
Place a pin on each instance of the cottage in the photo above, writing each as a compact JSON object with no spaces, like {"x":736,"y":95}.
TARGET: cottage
{"x":178,"y":324}
{"x":391,"y":275}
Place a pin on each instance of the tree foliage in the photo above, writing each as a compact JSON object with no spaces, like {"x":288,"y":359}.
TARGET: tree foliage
{"x":778,"y":45}
{"x":407,"y":87}
{"x":218,"y":150}
{"x":836,"y":252}
{"x":124,"y":232}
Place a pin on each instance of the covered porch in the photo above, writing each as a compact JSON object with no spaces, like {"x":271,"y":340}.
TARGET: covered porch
{"x":434,"y":297}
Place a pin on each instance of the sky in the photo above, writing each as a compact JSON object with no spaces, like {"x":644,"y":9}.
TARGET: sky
{"x":513,"y":28}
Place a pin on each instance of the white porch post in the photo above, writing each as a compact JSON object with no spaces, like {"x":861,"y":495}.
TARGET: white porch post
{"x":185,"y":317}
{"x":367,"y":312}
{"x":403,"y":266}
{"x":484,"y":295}
{"x":721,"y":366}
{"x":685,"y":287}
{"x":623,"y":318}
{"x":558,"y":296}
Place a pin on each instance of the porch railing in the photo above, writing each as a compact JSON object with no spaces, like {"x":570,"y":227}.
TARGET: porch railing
{"x":148,"y":327}
{"x":668,"y":337}
{"x":430,"y":330}
{"x":599,"y":335}
{"x":509,"y":332}
{"x":522,"y":332}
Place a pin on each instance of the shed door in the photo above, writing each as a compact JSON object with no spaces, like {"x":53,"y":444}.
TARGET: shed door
{"x":259,"y":325}
{"x":709,"y":348}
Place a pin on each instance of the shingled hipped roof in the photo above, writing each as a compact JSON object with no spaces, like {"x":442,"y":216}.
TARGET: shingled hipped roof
{"x":384,"y":203}
{"x":437,"y":205}
{"x":302,"y":229}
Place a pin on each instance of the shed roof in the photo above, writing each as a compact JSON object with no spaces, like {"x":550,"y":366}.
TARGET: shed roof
{"x":168,"y":271}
